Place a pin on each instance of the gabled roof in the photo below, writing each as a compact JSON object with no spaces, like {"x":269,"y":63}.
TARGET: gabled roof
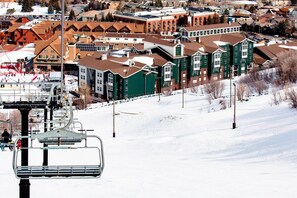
{"x":157,"y":40}
{"x":14,"y":27}
{"x":232,"y":38}
{"x":54,"y":42}
{"x":210,"y":44}
{"x":258,"y":59}
{"x":271,"y":51}
{"x":192,"y":48}
{"x":104,"y":25}
{"x":108,"y":65}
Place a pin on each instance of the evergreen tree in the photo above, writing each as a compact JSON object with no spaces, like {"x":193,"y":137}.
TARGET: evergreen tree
{"x":103,"y":18}
{"x":226,"y":12}
{"x":209,"y":20}
{"x":158,"y":3}
{"x":252,"y":9}
{"x":109,"y":17}
{"x":96,"y":17}
{"x":205,"y":21}
{"x":280,"y":29}
{"x":43,"y":4}
{"x":72,"y":15}
{"x":27,"y":5}
{"x":223,"y":19}
{"x":50,"y":9}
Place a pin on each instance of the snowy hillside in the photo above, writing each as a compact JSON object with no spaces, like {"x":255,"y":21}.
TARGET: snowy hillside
{"x":162,"y":150}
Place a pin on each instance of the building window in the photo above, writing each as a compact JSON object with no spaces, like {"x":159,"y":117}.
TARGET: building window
{"x":178,"y":50}
{"x":110,"y":82}
{"x":244,"y":48}
{"x":217,"y":60}
{"x":167,"y":73}
{"x":83,"y":70}
{"x":196,"y":62}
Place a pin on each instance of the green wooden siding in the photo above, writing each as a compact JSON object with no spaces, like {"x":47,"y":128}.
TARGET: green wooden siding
{"x":178,"y":50}
{"x":150,"y":83}
{"x":203,"y":64}
{"x":138,"y":84}
{"x":175,"y":70}
{"x":225,"y":60}
{"x":250,"y":58}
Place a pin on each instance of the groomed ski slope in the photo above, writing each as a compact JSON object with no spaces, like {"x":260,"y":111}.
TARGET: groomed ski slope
{"x":162,"y":150}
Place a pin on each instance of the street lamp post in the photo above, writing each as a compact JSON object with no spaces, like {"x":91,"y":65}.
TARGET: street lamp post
{"x":230,"y":77}
{"x":183,"y":97}
{"x":113,"y":119}
{"x":234,"y":118}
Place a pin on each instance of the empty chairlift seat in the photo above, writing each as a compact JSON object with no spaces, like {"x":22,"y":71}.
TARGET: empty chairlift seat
{"x":61,"y":171}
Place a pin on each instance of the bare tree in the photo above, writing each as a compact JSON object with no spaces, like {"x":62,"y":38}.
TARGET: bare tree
{"x":85,"y":94}
{"x":287,"y":63}
{"x":292,"y":96}
{"x":3,"y":117}
{"x":241,"y":88}
{"x":15,"y":119}
{"x":214,"y":89}
{"x":260,"y":86}
{"x":276,"y":97}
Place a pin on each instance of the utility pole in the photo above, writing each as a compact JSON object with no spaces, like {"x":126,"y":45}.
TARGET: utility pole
{"x":45,"y":151}
{"x":113,"y":119}
{"x":62,"y":45}
{"x":230,"y":77}
{"x":159,"y":88}
{"x":183,"y":97}
{"x":24,"y":182}
{"x":234,"y":118}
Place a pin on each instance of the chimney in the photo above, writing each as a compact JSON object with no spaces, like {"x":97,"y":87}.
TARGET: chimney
{"x":198,"y":39}
{"x":127,"y":54}
{"x":104,"y":57}
{"x":131,"y":63}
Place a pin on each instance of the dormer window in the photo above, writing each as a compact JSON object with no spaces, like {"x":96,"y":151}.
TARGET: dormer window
{"x":244,"y":49}
{"x":178,"y":50}
{"x":196,"y":62}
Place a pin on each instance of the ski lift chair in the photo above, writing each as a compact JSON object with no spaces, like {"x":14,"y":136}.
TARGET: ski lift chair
{"x":59,"y":171}
{"x":57,"y":139}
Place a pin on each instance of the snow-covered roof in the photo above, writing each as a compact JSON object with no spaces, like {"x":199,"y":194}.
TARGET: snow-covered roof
{"x":37,"y":10}
{"x":12,"y":56}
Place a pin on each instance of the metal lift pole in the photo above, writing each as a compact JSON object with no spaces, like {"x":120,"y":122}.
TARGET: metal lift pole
{"x":62,"y":45}
{"x":24,"y":182}
{"x":45,"y":151}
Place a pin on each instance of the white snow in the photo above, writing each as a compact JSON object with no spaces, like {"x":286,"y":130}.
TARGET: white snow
{"x":12,"y":56}
{"x":37,"y":10}
{"x":162,"y":150}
